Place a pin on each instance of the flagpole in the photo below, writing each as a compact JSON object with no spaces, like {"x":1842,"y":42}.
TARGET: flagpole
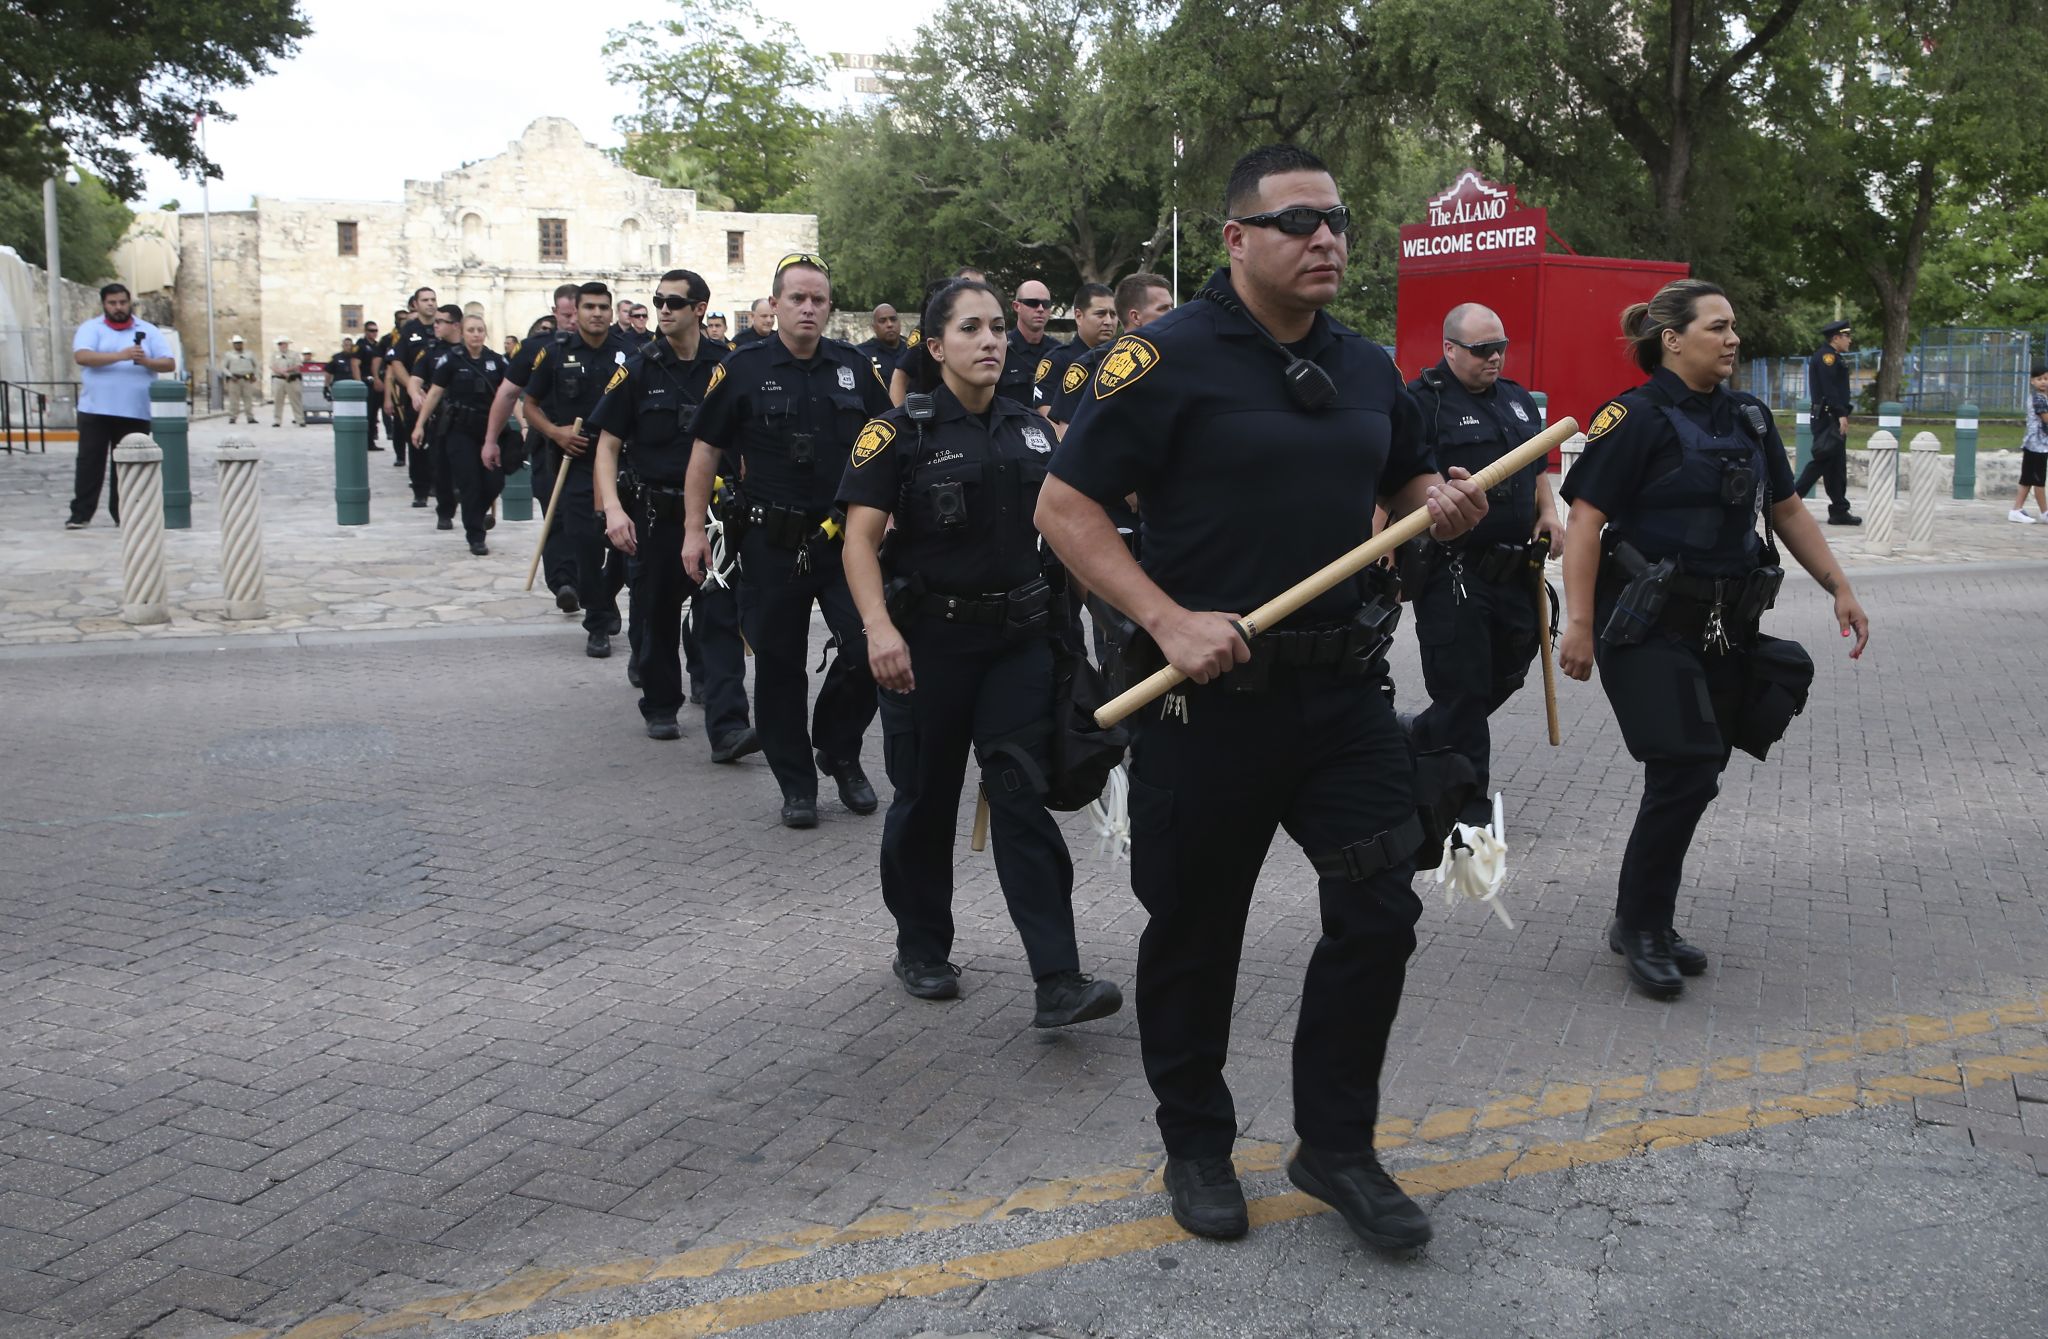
{"x":206,"y":226}
{"x":1176,"y":218}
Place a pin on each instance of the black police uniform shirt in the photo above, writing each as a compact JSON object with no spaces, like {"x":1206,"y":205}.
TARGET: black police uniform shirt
{"x":1024,"y":367}
{"x":411,"y":342}
{"x":1827,"y":383}
{"x":1244,"y":493}
{"x":1471,"y":431}
{"x":770,"y":409}
{"x":519,"y":370}
{"x":569,"y":375}
{"x":996,"y":460}
{"x":1631,"y":444}
{"x":650,"y":404}
{"x":883,"y":357}
{"x":468,"y":383}
{"x":1066,"y":395}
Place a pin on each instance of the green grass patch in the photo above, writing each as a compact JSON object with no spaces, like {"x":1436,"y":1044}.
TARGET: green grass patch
{"x":1993,"y":434}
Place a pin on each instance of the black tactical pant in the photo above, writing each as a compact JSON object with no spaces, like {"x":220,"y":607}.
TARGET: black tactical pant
{"x":98,"y":435}
{"x":1680,"y":781}
{"x":475,"y":487}
{"x":419,"y":465}
{"x":1829,"y":466}
{"x":775,"y":610}
{"x":599,"y":573}
{"x":1475,"y":656}
{"x":659,"y":588}
{"x":441,"y":461}
{"x":975,"y":690}
{"x":557,"y":564}
{"x":714,"y":658}
{"x":1212,"y":778}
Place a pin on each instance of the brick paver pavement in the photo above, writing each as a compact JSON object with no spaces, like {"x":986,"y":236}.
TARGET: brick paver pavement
{"x":340,"y":977}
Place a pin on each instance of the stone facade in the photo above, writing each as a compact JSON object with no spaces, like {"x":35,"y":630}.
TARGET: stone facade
{"x":476,"y":236}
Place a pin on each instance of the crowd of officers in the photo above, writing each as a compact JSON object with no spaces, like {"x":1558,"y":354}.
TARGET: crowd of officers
{"x":950,"y":496}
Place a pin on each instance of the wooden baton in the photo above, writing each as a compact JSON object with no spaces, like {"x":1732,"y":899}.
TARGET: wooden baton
{"x":1549,"y":660}
{"x":547,"y":522}
{"x":977,"y":840}
{"x":1349,"y":565}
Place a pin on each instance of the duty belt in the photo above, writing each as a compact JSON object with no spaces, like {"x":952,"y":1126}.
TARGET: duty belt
{"x":1025,"y":609}
{"x":664,"y":501}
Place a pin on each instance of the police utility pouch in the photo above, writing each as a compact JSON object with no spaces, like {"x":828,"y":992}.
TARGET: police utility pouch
{"x":1777,"y":676}
{"x":1641,"y":602}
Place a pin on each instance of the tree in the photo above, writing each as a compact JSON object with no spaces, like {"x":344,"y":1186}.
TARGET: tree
{"x":718,"y":84}
{"x":90,"y":223}
{"x":90,"y":82}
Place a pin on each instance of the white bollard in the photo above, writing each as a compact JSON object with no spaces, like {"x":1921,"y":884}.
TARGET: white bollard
{"x":1923,"y":484}
{"x":140,"y":465}
{"x":1568,"y":455}
{"x":241,"y":528}
{"x":1882,"y":483}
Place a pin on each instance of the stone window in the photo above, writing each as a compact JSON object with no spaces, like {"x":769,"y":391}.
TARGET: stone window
{"x":735,"y":251}
{"x":351,"y":318}
{"x":345,"y":239}
{"x":554,"y":239}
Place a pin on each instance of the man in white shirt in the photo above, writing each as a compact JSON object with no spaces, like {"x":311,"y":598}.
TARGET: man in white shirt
{"x":118,"y":355}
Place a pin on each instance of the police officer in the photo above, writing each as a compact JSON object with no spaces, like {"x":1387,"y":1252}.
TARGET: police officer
{"x":1827,"y":385}
{"x":1028,"y":361}
{"x":569,"y":374}
{"x":909,"y":357}
{"x":760,"y":323}
{"x":557,"y":560}
{"x":369,"y":353}
{"x":649,"y":410}
{"x":1667,"y":597}
{"x":1094,"y":326}
{"x":239,"y":370}
{"x":447,"y":337}
{"x":714,"y":327}
{"x":388,"y":392}
{"x":1257,"y":432}
{"x":959,"y":639}
{"x":284,"y":381}
{"x":1475,"y":599}
{"x":1141,"y":298}
{"x":458,"y":405}
{"x":412,"y":343}
{"x":885,"y":346}
{"x":789,"y":407}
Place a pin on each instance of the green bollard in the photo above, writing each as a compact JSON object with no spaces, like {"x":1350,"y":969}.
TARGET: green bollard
{"x":1802,"y":437}
{"x":170,"y":422}
{"x":1965,"y":487}
{"x":515,"y":503}
{"x":351,"y":452}
{"x":1891,"y":416}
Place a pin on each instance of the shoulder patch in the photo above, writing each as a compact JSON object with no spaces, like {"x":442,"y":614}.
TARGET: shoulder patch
{"x":717,"y":375}
{"x":1076,"y":374}
{"x":1130,"y":358}
{"x":1828,"y":358}
{"x":916,"y":338}
{"x":617,"y":377}
{"x":1607,"y":420}
{"x":538,"y":359}
{"x":873,"y":438}
{"x":1044,"y":366}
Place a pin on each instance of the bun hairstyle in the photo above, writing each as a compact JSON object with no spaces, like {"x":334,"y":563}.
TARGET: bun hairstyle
{"x":1676,"y":306}
{"x":923,"y":372}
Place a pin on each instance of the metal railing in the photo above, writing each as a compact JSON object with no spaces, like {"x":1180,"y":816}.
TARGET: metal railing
{"x":16,"y":402}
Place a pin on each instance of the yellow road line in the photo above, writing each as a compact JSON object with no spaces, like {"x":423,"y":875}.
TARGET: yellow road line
{"x":735,"y":1313}
{"x":1551,"y":1101}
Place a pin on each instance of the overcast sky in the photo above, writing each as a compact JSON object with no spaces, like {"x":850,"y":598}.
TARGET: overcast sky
{"x":318,"y":127}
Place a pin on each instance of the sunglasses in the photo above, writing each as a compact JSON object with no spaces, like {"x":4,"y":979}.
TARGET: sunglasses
{"x":1487,"y":349}
{"x":1034,"y":302}
{"x":1301,"y":220}
{"x":801,"y":258}
{"x":674,"y":302}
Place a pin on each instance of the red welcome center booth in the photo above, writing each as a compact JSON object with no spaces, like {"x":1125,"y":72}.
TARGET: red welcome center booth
{"x":1562,"y":311}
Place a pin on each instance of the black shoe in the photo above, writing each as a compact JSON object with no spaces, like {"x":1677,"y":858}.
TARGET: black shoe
{"x":1066,"y":998}
{"x":854,"y":791}
{"x":1207,"y":1199}
{"x":633,"y":672}
{"x":928,"y":980}
{"x":76,"y":525}
{"x":664,"y":727}
{"x":444,"y":522}
{"x":419,"y":502}
{"x":1845,"y":519}
{"x":597,"y":646}
{"x":565,"y":598}
{"x":799,"y":811}
{"x":478,"y":547}
{"x":1355,"y":1185}
{"x":736,"y":745}
{"x":1690,"y":959}
{"x":375,"y":447}
{"x":1647,"y":956}
{"x":612,"y":624}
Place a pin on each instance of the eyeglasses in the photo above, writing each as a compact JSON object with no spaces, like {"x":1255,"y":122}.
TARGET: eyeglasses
{"x":801,"y":258}
{"x":1302,"y":220}
{"x":1040,"y":303}
{"x":1485,"y":349}
{"x":674,"y":302}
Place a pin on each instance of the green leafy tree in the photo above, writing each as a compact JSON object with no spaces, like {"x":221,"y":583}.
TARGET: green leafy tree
{"x":91,"y":221}
{"x":89,"y":82}
{"x":719,"y":84}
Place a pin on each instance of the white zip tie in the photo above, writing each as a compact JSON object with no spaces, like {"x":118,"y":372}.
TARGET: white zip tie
{"x":1110,"y":816}
{"x":1475,"y":864}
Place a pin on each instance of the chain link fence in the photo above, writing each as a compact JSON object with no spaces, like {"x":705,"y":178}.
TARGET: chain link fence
{"x":1945,"y":368}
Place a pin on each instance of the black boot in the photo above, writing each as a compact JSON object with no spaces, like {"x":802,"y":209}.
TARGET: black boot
{"x":1066,"y":998}
{"x":854,"y":791}
{"x":1207,"y":1199}
{"x":1355,"y":1185}
{"x":1647,"y":956}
